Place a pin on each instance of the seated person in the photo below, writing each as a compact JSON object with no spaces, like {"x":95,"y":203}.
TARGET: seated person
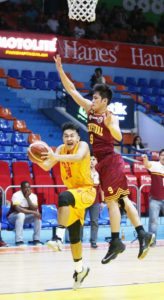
{"x":97,"y":77}
{"x":24,"y":210}
{"x":137,"y":143}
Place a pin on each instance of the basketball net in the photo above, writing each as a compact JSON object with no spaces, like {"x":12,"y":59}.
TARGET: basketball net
{"x":82,"y":10}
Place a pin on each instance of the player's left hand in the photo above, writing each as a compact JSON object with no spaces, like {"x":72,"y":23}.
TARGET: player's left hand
{"x":47,"y":155}
{"x":108,"y":118}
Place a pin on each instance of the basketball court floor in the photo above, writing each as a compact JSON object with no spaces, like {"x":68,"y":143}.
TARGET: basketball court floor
{"x":38,"y":273}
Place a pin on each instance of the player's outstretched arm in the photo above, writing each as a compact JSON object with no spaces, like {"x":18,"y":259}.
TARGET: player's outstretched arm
{"x":112,"y":123}
{"x":70,"y":87}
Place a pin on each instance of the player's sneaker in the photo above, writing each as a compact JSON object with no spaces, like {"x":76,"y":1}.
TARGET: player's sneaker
{"x":146,"y":239}
{"x":55,"y":245}
{"x":115,"y":247}
{"x":79,"y":278}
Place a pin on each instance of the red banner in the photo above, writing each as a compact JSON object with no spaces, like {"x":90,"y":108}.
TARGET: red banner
{"x":30,"y":46}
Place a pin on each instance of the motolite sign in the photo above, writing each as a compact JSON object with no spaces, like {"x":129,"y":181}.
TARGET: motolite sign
{"x":27,"y":46}
{"x":30,"y":46}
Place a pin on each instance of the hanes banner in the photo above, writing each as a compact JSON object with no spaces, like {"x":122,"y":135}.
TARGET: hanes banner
{"x":42,"y":47}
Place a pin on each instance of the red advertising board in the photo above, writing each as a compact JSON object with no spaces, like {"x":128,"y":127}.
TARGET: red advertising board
{"x":30,"y":46}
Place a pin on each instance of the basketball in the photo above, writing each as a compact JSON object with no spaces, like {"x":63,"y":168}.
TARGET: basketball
{"x":35,"y":149}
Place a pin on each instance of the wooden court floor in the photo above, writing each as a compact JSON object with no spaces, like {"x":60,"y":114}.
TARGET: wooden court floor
{"x":37,"y":273}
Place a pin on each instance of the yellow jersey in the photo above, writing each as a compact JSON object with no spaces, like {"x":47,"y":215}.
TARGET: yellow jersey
{"x":76,"y":174}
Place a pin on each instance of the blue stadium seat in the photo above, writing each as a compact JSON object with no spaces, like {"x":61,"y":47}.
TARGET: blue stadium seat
{"x":162,"y":84}
{"x":26,"y":83}
{"x":155,"y":82}
{"x":4,"y":139}
{"x":133,"y":89}
{"x":53,"y":76}
{"x":5,"y":153}
{"x":145,"y":91}
{"x":5,"y":125}
{"x":130,"y":81}
{"x":49,"y":216}
{"x":160,"y":100}
{"x":40,"y":84}
{"x":52,"y":85}
{"x":13,"y":73}
{"x":40,"y":75}
{"x":18,"y":138}
{"x":27,"y":74}
{"x":155,"y":91}
{"x":119,"y":80}
{"x":142,"y":82}
{"x":19,"y":152}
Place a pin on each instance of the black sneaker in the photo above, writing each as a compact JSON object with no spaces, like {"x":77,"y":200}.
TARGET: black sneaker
{"x":94,"y":245}
{"x":146,"y":239}
{"x":37,"y":243}
{"x":20,"y":243}
{"x":115,"y":247}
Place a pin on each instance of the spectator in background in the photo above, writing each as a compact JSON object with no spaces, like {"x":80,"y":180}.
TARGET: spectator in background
{"x":97,"y":77}
{"x":79,"y":31}
{"x":137,"y":143}
{"x":53,"y":24}
{"x":24,"y":210}
{"x":94,"y":209}
{"x":156,"y":204}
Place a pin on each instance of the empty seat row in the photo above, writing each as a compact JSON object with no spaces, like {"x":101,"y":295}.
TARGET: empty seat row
{"x":40,"y":84}
{"x":28,"y":74}
{"x":141,"y":82}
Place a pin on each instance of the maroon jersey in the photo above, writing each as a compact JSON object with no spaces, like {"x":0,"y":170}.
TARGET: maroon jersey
{"x":100,"y":137}
{"x":110,"y":165}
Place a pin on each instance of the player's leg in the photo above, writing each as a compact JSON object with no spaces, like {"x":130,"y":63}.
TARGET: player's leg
{"x":145,"y":238}
{"x":116,"y":246}
{"x":65,"y":201}
{"x":76,"y":248}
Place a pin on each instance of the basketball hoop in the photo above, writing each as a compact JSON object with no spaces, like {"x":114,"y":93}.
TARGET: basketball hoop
{"x":82,"y":10}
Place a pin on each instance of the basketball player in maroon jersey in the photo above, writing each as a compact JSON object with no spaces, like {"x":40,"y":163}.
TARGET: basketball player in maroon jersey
{"x":156,"y":204}
{"x":103,"y":129}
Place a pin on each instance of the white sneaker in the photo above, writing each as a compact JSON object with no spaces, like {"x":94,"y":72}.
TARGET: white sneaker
{"x":56,"y":245}
{"x":79,"y":278}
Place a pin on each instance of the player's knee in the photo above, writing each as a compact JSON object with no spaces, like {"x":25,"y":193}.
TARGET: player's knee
{"x":66,"y":199}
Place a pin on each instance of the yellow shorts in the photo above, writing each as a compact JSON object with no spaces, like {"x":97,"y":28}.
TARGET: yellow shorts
{"x":84,"y":197}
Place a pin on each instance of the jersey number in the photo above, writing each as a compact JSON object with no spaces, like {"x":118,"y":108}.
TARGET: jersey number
{"x":91,"y":139}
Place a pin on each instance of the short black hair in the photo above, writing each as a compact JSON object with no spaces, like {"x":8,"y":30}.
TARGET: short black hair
{"x":23,"y":183}
{"x":104,"y":91}
{"x":98,"y":70}
{"x":160,"y":152}
{"x":70,"y":125}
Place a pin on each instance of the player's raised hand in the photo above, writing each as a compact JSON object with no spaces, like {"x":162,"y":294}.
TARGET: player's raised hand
{"x":108,"y":118}
{"x":58,"y":62}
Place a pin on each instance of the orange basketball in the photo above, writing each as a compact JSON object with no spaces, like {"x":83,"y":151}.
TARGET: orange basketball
{"x":35,"y":149}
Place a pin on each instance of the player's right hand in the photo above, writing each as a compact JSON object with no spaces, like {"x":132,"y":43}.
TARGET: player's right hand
{"x":57,"y":60}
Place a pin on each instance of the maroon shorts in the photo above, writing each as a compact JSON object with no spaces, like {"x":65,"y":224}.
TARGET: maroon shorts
{"x":112,"y":178}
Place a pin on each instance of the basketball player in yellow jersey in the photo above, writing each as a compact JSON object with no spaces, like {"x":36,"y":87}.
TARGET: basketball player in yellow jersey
{"x":74,"y":158}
